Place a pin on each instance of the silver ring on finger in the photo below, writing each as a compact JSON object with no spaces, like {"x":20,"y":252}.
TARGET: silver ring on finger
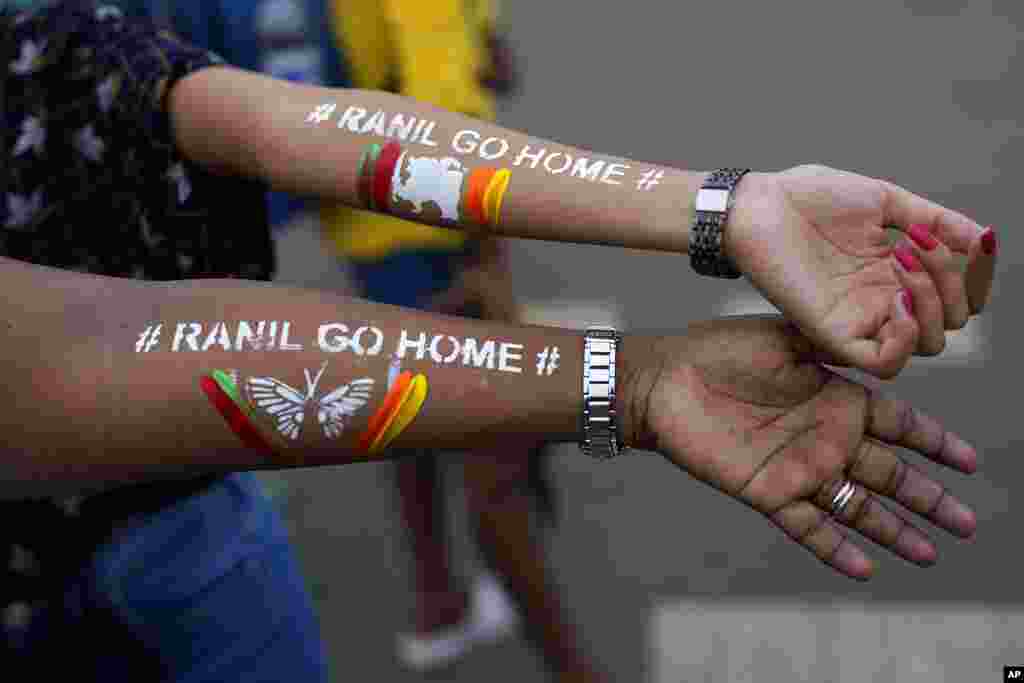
{"x":843,"y":497}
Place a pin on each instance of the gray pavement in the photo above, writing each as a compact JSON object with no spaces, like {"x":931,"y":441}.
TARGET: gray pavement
{"x":924,"y":92}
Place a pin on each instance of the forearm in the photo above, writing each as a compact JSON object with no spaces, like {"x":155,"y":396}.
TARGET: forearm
{"x":94,"y":393}
{"x":249,"y":124}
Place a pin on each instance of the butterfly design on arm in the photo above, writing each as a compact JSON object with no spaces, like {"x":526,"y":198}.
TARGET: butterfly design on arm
{"x":342,"y":403}
{"x":284,"y":404}
{"x":287,"y":406}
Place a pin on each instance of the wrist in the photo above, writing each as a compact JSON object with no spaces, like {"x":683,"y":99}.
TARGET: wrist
{"x":743,"y":215}
{"x":634,"y":376}
{"x":687,"y":214}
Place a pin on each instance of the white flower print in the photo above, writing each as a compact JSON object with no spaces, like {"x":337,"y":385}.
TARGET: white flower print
{"x":72,"y":506}
{"x":33,"y":135}
{"x":89,"y":144}
{"x":148,"y":238}
{"x":28,"y":60}
{"x":21,"y":209}
{"x":177,"y":174}
{"x":108,"y":12}
{"x":105,"y":93}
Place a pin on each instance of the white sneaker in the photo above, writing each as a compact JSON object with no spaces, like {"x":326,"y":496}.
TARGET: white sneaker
{"x":491,"y":617}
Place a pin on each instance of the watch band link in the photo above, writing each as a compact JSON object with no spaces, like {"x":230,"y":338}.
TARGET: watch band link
{"x":714,"y":199}
{"x":601,"y":435}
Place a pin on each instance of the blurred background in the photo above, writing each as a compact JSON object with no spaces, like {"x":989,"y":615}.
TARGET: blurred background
{"x":668,"y":580}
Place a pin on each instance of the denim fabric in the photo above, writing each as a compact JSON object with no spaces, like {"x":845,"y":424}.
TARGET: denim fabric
{"x":207,"y":588}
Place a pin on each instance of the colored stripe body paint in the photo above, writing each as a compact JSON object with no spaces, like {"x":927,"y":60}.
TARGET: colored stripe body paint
{"x":229,"y":387}
{"x":494,"y":194}
{"x":473,"y":201}
{"x":408,"y":411}
{"x":378,"y":421}
{"x":382,"y":172}
{"x":232,"y":413}
{"x":402,"y":397}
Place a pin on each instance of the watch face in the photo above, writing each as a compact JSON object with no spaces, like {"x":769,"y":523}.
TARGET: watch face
{"x":712,"y":200}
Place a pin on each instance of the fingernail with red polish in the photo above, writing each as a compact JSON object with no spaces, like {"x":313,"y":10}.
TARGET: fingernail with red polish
{"x":922,"y":236}
{"x":907,"y":301}
{"x":988,"y":241}
{"x":922,"y":550}
{"x":905,"y":255}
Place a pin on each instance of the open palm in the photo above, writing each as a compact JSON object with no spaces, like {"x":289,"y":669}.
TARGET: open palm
{"x":744,"y":405}
{"x":813,"y":240}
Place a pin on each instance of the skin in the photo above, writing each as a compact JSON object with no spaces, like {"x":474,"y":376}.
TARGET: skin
{"x":83,"y":410}
{"x":811,"y":239}
{"x":743,"y":405}
{"x":755,"y":389}
{"x":502,"y":509}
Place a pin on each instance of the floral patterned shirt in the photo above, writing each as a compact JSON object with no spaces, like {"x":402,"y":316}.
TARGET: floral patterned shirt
{"x":92,"y":180}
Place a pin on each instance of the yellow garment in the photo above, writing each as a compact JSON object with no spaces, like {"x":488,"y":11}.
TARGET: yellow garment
{"x":435,"y":50}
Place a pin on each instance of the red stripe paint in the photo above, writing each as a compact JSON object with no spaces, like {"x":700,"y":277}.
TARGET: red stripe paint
{"x":231,"y":413}
{"x":388,"y":406}
{"x":383,"y":170}
{"x":476,"y":186}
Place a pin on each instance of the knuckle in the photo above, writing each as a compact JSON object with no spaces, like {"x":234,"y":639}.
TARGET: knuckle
{"x":861,"y":457}
{"x":897,"y":477}
{"x":958,"y":318}
{"x":889,"y":369}
{"x":893,"y":531}
{"x":933,"y":507}
{"x":933,"y":345}
{"x":829,"y":554}
{"x":907,"y":418}
{"x":861,"y":510}
{"x":811,"y":529}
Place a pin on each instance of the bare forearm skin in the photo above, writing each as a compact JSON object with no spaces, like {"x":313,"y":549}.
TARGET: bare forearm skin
{"x":86,"y":402}
{"x":253,"y":125}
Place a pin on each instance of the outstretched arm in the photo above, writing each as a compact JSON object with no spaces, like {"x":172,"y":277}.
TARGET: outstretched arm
{"x":109,"y":380}
{"x":812,"y":239}
{"x":249,"y":124}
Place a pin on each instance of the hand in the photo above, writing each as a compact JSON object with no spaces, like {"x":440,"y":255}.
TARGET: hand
{"x":813,"y":241}
{"x":744,"y":405}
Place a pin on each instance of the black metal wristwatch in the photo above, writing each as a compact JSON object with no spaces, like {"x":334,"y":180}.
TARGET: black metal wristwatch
{"x":714,"y":199}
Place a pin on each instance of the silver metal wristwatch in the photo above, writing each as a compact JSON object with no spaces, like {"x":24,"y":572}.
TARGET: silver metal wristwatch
{"x":602,"y":437}
{"x":714,"y":199}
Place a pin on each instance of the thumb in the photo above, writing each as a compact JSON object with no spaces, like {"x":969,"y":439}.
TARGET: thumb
{"x":890,"y":349}
{"x":807,"y":350}
{"x":897,"y":338}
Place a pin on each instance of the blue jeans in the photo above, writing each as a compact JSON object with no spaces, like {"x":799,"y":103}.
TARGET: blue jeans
{"x":209,"y":586}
